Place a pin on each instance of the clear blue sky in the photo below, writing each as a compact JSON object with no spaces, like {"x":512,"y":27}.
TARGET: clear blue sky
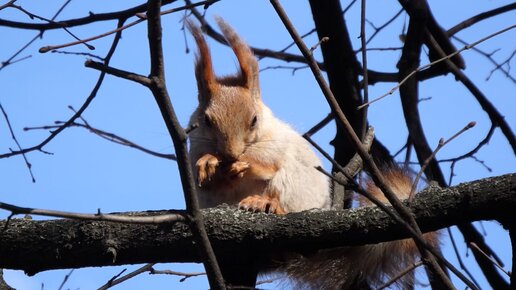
{"x":86,"y":173}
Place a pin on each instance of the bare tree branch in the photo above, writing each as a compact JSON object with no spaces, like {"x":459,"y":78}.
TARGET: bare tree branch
{"x":11,"y":60}
{"x":443,"y":58}
{"x":91,"y":18}
{"x":480,"y":17}
{"x":99,"y":216}
{"x":13,"y":136}
{"x":141,"y":19}
{"x":117,"y":280}
{"x":483,"y":101}
{"x":441,"y":144}
{"x":375,"y":172}
{"x":179,"y":138}
{"x":35,"y":246}
{"x":108,"y":136}
{"x":84,"y":106}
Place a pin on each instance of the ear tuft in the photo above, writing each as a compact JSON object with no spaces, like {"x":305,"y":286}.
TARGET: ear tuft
{"x":248,"y":64}
{"x":206,"y":80}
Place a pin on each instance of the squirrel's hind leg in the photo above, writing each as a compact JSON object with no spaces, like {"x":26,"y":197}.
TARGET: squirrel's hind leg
{"x":267,"y":202}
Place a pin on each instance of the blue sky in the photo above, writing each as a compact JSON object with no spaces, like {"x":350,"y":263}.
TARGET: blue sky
{"x":86,"y":173}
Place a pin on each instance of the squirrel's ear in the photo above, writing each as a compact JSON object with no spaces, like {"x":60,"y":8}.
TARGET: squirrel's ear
{"x":248,"y":64}
{"x":206,"y":80}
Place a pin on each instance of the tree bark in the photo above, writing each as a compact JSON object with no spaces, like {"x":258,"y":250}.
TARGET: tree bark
{"x":3,"y":285}
{"x":342,"y":69}
{"x":35,"y":246}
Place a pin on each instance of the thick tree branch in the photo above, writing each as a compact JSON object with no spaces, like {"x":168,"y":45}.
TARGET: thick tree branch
{"x":342,"y":69}
{"x":35,"y":246}
{"x":479,"y":17}
{"x":414,"y":8}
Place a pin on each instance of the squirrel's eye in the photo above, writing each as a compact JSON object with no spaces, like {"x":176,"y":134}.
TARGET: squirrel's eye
{"x":253,"y":122}
{"x":207,"y":121}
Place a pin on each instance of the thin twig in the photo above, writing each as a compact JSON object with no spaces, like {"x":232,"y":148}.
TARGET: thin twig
{"x":489,"y":56}
{"x":84,"y":106}
{"x":176,"y":273}
{"x":38,"y":36}
{"x":29,"y":166}
{"x":482,"y":100}
{"x":458,"y":256}
{"x":48,"y":48}
{"x":446,"y":57}
{"x":116,"y":280}
{"x":324,"y":39}
{"x":441,"y":144}
{"x":400,"y":275}
{"x":78,"y":53}
{"x":293,"y":68}
{"x":475,"y":247}
{"x":319,"y":125}
{"x":143,"y":80}
{"x":314,"y":30}
{"x":90,"y":18}
{"x":141,"y":19}
{"x":500,"y":67}
{"x":8,"y":4}
{"x":65,"y":279}
{"x":107,"y":136}
{"x":32,"y":16}
{"x":470,"y":154}
{"x":365,"y":79}
{"x":379,"y":29}
{"x":158,"y":219}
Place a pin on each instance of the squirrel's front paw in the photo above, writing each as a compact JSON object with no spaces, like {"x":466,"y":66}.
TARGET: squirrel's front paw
{"x":206,"y":166}
{"x":261,"y":203}
{"x":238,"y":168}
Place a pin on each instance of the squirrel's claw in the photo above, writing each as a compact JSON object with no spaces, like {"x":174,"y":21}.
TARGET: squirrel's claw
{"x":262,"y":203}
{"x":206,"y":167}
{"x":238,"y":168}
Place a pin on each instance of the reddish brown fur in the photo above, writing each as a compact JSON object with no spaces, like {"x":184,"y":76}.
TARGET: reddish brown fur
{"x":224,"y":164}
{"x":268,"y":202}
{"x":248,"y":65}
{"x":206,"y":79}
{"x":348,"y":267}
{"x":401,"y":184}
{"x":226,"y":100}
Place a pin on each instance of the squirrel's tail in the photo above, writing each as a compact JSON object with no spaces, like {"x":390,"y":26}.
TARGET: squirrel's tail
{"x":361,"y":267}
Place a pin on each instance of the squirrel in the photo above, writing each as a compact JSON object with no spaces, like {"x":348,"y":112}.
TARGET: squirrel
{"x":242,"y":155}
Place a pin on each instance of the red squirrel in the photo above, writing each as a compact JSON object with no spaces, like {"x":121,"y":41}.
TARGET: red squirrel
{"x":243,"y":155}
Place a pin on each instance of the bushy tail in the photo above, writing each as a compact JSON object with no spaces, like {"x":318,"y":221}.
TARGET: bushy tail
{"x":364,"y":266}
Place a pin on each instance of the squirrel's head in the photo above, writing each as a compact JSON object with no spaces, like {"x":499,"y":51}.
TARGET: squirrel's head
{"x":230,"y":107}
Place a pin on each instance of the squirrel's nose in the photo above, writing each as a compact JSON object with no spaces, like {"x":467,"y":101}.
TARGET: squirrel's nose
{"x":231,"y":148}
{"x":231,"y":157}
{"x":232,"y":153}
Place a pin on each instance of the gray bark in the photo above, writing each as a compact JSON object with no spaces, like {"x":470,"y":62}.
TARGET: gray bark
{"x":35,"y":246}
